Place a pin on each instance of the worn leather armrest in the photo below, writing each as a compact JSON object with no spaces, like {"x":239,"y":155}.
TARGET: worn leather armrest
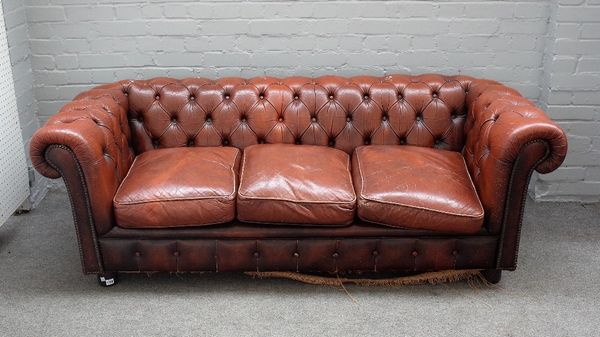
{"x":507,"y":138}
{"x":95,"y":130}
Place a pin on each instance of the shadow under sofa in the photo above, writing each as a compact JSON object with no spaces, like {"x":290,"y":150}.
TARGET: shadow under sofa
{"x":364,"y":175}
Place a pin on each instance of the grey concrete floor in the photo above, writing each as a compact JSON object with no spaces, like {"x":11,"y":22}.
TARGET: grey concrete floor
{"x":554,"y":292}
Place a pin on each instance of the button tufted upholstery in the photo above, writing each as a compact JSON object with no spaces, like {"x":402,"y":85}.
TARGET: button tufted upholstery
{"x":350,"y":255}
{"x":92,"y":143}
{"x":179,"y":187}
{"x":94,"y":126}
{"x":500,"y":124}
{"x":343,"y":113}
{"x":427,"y":189}
{"x":285,"y":183}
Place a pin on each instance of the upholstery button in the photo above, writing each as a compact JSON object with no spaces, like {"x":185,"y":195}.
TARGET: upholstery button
{"x":176,"y":253}
{"x":348,"y":119}
{"x":402,"y":140}
{"x":226,"y":96}
{"x":419,"y":117}
{"x":261,"y":141}
{"x":157,"y":97}
{"x":366,"y":96}
{"x":384,"y":118}
{"x":335,"y":254}
{"x":367,"y":142}
{"x":155,"y":142}
{"x":331,"y":143}
{"x":173,"y":119}
{"x":330,"y":97}
{"x":314,"y":119}
{"x":243,"y":119}
{"x":261,"y":97}
{"x":296,"y":97}
{"x":296,"y":254}
{"x":414,"y":253}
{"x":256,"y":254}
{"x":298,"y":142}
{"x":225,"y":142}
{"x":453,"y":116}
{"x":192,"y":97}
{"x":190,"y":142}
{"x":438,"y":141}
{"x":280,"y":119}
{"x":137,"y":254}
{"x":434,"y":95}
{"x":126,"y":93}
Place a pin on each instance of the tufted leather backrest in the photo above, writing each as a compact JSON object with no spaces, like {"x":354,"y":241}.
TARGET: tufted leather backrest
{"x":424,"y":110}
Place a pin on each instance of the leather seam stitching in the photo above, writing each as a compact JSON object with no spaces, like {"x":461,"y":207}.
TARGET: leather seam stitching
{"x":227,"y":197}
{"x":424,"y":208}
{"x":191,"y":225}
{"x":230,"y":196}
{"x":473,"y":186}
{"x":243,"y":197}
{"x":363,"y":197}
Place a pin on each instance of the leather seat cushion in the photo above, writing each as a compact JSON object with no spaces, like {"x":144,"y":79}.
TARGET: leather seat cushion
{"x":179,"y":187}
{"x":415,"y":187}
{"x":296,"y":184}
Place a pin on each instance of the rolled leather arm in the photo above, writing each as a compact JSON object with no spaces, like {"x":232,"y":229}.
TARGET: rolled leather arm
{"x":502,"y":127}
{"x":94,"y":130}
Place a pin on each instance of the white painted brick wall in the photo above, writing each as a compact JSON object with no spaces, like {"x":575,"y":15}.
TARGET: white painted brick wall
{"x":571,"y":96}
{"x":17,"y":34}
{"x":20,"y":56}
{"x":76,"y":44}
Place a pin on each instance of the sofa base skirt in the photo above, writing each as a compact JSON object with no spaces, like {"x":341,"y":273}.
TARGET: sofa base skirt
{"x":306,"y":255}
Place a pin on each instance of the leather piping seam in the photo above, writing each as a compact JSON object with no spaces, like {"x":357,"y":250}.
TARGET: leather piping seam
{"x":299,"y":224}
{"x":414,"y":228}
{"x":507,"y":200}
{"x":243,"y":197}
{"x":227,"y":197}
{"x":362,"y":197}
{"x":472,"y":185}
{"x":175,"y":226}
{"x":125,"y":178}
{"x":352,"y":202}
{"x":87,"y":205}
{"x":476,"y":216}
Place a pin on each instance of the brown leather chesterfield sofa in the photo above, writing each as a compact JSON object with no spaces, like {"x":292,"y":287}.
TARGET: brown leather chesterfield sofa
{"x":331,"y":175}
